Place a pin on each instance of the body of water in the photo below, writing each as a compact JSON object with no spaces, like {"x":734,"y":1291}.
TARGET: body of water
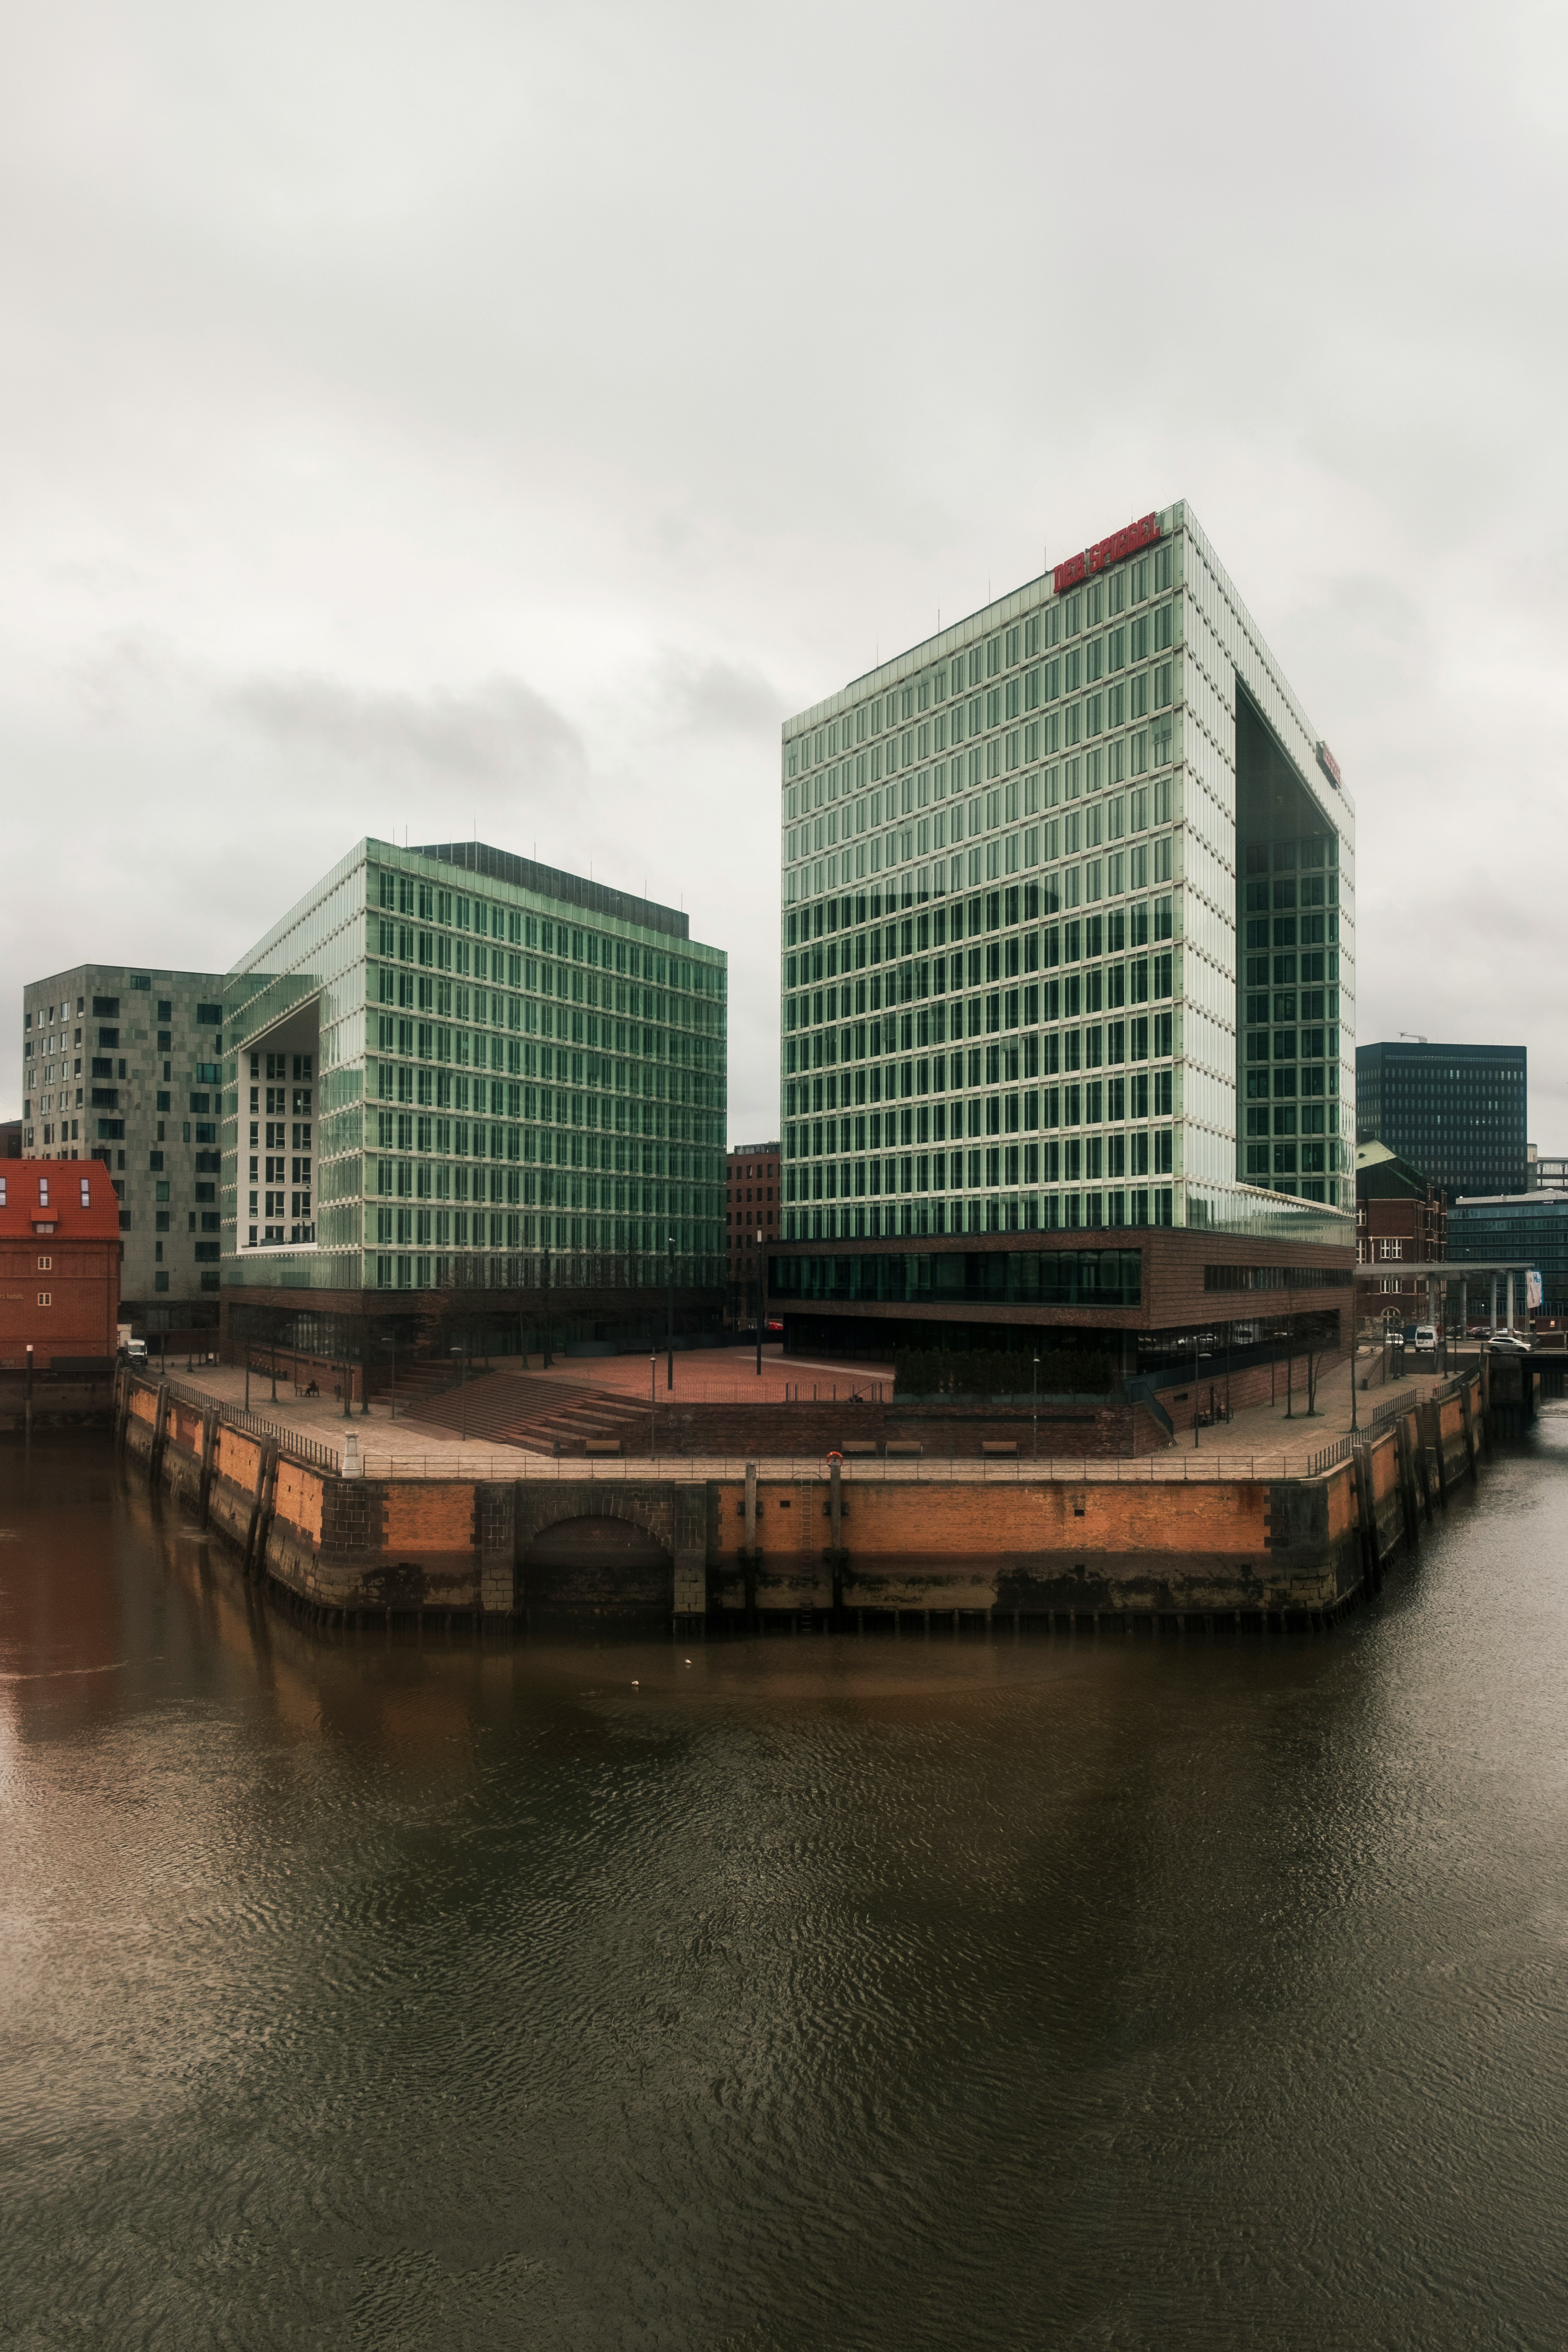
{"x":806,"y":1992}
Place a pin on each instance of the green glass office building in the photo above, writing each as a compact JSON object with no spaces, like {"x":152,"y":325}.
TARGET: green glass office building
{"x":1069,"y":926}
{"x":454,"y":1069}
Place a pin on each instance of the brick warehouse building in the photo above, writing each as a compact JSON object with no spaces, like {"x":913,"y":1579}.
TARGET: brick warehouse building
{"x":1068,"y":984}
{"x":752,"y":1208}
{"x":59,"y":1264}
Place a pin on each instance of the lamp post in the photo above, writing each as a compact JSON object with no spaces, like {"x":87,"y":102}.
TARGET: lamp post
{"x":1355,"y":1336}
{"x":390,"y":1340}
{"x":761,"y":1293}
{"x":1196,"y":1360}
{"x":652,"y":1399}
{"x":247,"y":1376}
{"x":544,"y":1350}
{"x":1036,"y":1407}
{"x":462,"y":1350}
{"x":669,"y":1316}
{"x":1290,"y":1371}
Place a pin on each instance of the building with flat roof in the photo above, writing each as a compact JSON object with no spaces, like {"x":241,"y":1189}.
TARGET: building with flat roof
{"x":1459,"y":1112}
{"x":122,"y":1064}
{"x":1068,"y":953}
{"x":456,"y":1071}
{"x":1527,"y":1226}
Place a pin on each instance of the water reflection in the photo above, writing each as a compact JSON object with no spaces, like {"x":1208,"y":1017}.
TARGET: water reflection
{"x":798,"y":1993}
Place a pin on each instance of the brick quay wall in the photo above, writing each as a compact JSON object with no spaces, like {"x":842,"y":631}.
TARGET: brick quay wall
{"x":666,"y":1545}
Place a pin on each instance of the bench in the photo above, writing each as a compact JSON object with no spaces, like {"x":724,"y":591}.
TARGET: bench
{"x":858,"y":1445}
{"x":904,"y":1450}
{"x":602,"y":1445}
{"x":999,"y":1446}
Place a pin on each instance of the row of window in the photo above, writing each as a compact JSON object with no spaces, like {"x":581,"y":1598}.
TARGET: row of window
{"x":1033,"y":1056}
{"x":1072,"y":1160}
{"x":1020,"y":1212}
{"x":1142,"y":1094}
{"x":652,"y":1048}
{"x":941,"y":789}
{"x":405,"y":894}
{"x":1056,"y":623}
{"x":492,"y":1007}
{"x":1090,"y":937}
{"x":1096,"y":987}
{"x":1012,"y":1016}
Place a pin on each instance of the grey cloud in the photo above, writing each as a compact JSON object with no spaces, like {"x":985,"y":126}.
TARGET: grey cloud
{"x":717,"y":697}
{"x":500,"y":732}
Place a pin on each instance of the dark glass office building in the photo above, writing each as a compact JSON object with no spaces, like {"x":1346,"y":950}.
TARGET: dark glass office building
{"x":1529,"y":1225}
{"x":1460,"y":1113}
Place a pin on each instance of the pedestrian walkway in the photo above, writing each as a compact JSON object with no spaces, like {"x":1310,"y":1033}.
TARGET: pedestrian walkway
{"x":1281,"y":1440}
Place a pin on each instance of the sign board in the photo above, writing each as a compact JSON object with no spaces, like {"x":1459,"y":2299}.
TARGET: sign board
{"x":1330,"y":766}
{"x":1125,"y":542}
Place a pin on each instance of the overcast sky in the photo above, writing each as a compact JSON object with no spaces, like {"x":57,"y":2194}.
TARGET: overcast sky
{"x":498,"y":417}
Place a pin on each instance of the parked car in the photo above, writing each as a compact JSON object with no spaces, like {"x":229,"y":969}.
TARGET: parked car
{"x":1425,"y":1337}
{"x":1510,"y":1343}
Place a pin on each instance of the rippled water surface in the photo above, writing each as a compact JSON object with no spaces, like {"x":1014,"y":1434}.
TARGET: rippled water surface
{"x":807,"y":1992}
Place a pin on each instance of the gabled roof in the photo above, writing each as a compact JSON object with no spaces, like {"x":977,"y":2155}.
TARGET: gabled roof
{"x":60,"y":1200}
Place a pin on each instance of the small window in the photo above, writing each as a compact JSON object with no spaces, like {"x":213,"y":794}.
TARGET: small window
{"x":3,"y":1201}
{"x":86,"y":1194}
{"x":46,"y":1265}
{"x":140,"y":980}
{"x":45,"y":1298}
{"x":209,"y":1016}
{"x":165,"y":1008}
{"x":43,"y":1192}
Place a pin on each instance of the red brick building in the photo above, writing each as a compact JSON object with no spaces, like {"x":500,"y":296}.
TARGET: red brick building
{"x":59,"y":1262}
{"x":752,"y":1209}
{"x":1401,"y":1220}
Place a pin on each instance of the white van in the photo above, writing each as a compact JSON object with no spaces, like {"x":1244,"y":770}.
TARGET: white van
{"x":1425,"y":1337}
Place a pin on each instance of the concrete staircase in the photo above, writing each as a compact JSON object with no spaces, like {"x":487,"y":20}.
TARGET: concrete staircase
{"x":553,"y":1417}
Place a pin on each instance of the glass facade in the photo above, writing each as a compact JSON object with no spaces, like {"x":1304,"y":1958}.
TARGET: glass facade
{"x":448,"y":1062}
{"x":1016,"y":863}
{"x":1527,"y":1226}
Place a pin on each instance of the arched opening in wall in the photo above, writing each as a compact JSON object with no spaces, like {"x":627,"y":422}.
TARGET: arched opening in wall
{"x":598,"y":1569}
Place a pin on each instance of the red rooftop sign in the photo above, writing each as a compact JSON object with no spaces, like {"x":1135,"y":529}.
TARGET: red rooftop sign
{"x":1125,"y":542}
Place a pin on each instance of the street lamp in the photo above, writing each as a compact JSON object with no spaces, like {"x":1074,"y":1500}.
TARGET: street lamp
{"x":462,"y":1350}
{"x":390,"y":1340}
{"x":652,"y":1399}
{"x":1036,"y":1408}
{"x":1196,"y":1360}
{"x":762,"y":1292}
{"x":669,"y":1316}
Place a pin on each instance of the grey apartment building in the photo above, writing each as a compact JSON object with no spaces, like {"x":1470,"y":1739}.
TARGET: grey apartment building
{"x":125,"y":1066}
{"x":455,"y":1069}
{"x":1067,"y":898}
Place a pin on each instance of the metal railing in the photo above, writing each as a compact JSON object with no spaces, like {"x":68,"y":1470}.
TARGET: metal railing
{"x":320,"y":1455}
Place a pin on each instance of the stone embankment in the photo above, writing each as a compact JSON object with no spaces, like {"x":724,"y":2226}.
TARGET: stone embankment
{"x":1189,"y":1538}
